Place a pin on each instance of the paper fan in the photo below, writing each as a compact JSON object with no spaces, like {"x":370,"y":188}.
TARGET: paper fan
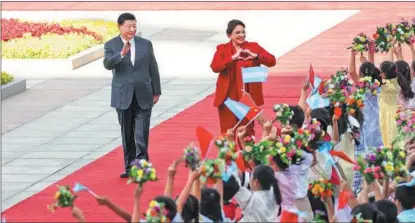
{"x":323,"y":167}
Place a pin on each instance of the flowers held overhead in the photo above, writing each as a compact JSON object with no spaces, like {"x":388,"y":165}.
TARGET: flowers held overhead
{"x":227,"y":150}
{"x":405,"y":121}
{"x":283,"y":113}
{"x":383,"y":40}
{"x":360,"y":43}
{"x":391,"y":161}
{"x":192,"y":157}
{"x":321,"y":188}
{"x":337,"y":88}
{"x":64,"y":198}
{"x":212,"y":170}
{"x":141,"y":172}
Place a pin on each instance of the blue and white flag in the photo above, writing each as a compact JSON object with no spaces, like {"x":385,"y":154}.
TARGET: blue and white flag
{"x":317,"y":82}
{"x":79,"y":187}
{"x":254,"y":74}
{"x":238,"y":109}
{"x":229,"y":172}
{"x":316,"y":101}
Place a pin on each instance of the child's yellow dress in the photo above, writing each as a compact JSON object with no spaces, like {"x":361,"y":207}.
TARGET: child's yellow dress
{"x":388,"y":105}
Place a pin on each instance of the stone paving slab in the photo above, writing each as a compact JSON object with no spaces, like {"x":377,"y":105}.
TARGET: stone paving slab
{"x":81,"y":129}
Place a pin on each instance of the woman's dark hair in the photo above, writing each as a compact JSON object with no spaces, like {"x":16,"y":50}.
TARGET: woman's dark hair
{"x":124,"y":17}
{"x":406,"y":196}
{"x":232,"y":25}
{"x":266,"y":177}
{"x":170,"y":205}
{"x":323,"y":116}
{"x":190,"y":212}
{"x":210,"y":206}
{"x":389,"y":209}
{"x":298,"y":117}
{"x":230,"y":188}
{"x":368,"y":69}
{"x":389,"y":68}
{"x":404,"y":79}
{"x":369,"y":211}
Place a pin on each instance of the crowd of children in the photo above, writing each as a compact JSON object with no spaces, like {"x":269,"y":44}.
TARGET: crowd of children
{"x":287,"y":177}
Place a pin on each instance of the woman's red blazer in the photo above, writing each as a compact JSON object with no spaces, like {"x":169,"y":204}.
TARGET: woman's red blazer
{"x":222,"y":63}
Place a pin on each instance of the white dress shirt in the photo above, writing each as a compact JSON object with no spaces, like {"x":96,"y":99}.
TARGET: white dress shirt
{"x":132,"y":49}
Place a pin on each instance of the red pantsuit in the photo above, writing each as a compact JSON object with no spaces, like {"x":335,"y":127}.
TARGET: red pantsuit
{"x":229,"y":83}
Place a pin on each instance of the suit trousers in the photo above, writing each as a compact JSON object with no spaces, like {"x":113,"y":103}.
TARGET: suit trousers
{"x":135,"y":129}
{"x":228,"y":120}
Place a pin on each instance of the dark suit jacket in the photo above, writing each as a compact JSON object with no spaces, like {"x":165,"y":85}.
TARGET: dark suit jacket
{"x":143,"y":78}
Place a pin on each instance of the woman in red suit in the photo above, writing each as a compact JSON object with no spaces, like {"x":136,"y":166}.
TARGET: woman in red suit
{"x":228,"y":61}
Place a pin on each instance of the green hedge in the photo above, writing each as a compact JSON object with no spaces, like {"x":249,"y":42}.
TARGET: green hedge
{"x":6,"y":78}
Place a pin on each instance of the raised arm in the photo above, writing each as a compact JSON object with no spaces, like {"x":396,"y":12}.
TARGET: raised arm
{"x":302,"y":102}
{"x":171,"y":173}
{"x":371,"y":53}
{"x":181,"y":200}
{"x":220,"y":60}
{"x":264,"y":57}
{"x":135,"y":218}
{"x":111,"y":58}
{"x":154,"y":71}
{"x":114,"y":207}
{"x":411,"y":46}
{"x":352,"y":67}
{"x":398,"y":52}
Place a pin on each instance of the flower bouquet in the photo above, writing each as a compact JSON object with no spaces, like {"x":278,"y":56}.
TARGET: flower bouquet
{"x":337,"y":88}
{"x":383,"y":40}
{"x":249,"y":140}
{"x":310,"y":131}
{"x":321,"y":188}
{"x":212,"y":170}
{"x":283,"y":113}
{"x":227,"y":150}
{"x":192,"y":157}
{"x":286,"y":148}
{"x":141,"y":172}
{"x":405,"y":121}
{"x":258,"y":151}
{"x":64,"y":198}
{"x":371,"y":173}
{"x":367,"y":84}
{"x":403,"y":32}
{"x":355,"y":102}
{"x":156,"y":212}
{"x":360,"y":43}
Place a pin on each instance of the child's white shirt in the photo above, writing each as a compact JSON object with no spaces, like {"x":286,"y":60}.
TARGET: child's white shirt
{"x":257,"y":206}
{"x":300,"y":175}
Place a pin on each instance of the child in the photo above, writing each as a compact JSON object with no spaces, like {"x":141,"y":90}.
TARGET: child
{"x":388,"y":102}
{"x":370,"y":128}
{"x":230,"y":188}
{"x":405,"y":200}
{"x":262,"y":202}
{"x":210,"y":206}
{"x":368,"y":213}
{"x":389,"y":209}
{"x":406,"y":94}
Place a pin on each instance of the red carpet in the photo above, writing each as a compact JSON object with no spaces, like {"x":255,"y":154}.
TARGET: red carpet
{"x":167,"y":141}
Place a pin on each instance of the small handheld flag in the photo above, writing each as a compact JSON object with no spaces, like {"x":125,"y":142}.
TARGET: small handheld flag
{"x":205,"y":139}
{"x":79,"y":187}
{"x":254,"y":74}
{"x":311,"y":77}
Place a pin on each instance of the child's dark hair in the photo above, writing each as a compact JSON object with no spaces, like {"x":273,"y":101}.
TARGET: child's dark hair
{"x":369,"y":211}
{"x":404,"y":79}
{"x":406,"y":196}
{"x":230,"y":188}
{"x":266,"y":177}
{"x":283,"y":166}
{"x":389,"y":209}
{"x":317,"y":206}
{"x":190,"y":212}
{"x":170,"y":205}
{"x":368,"y":69}
{"x":389,"y":68}
{"x":210,"y":206}
{"x":323,"y":116}
{"x":298,"y":117}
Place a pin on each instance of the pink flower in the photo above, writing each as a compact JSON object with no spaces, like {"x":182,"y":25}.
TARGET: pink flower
{"x":356,"y":167}
{"x":376,"y":168}
{"x":376,"y":175}
{"x":399,"y":122}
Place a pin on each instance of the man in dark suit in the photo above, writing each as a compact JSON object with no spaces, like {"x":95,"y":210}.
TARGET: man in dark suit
{"x":135,"y":87}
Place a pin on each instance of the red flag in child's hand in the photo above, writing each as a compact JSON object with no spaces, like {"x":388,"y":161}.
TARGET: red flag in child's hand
{"x":311,"y":76}
{"x":344,"y":197}
{"x":240,"y":163}
{"x":205,"y":138}
{"x":288,"y":216}
{"x":342,"y":155}
{"x":338,"y":112}
{"x":335,"y":179}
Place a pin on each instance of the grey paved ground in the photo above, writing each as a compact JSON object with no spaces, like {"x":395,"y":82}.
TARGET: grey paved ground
{"x":59,"y":135}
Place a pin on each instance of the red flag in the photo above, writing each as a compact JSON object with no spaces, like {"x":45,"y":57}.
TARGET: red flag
{"x":311,"y":76}
{"x":338,"y":112}
{"x":344,"y":197}
{"x":335,"y":179}
{"x":247,"y":99}
{"x":288,"y":216}
{"x":240,"y":162}
{"x":252,"y":113}
{"x":205,"y":138}
{"x":342,"y":155}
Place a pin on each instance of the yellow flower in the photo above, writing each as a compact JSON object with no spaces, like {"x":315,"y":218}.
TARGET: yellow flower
{"x":57,"y":195}
{"x":402,"y":154}
{"x":279,"y":144}
{"x":388,"y":167}
{"x":152,"y":204}
{"x":140,"y":173}
{"x":283,"y":149}
{"x":152,"y":176}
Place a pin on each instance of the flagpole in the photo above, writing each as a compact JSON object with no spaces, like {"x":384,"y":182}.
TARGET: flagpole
{"x":254,"y":117}
{"x":239,"y":122}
